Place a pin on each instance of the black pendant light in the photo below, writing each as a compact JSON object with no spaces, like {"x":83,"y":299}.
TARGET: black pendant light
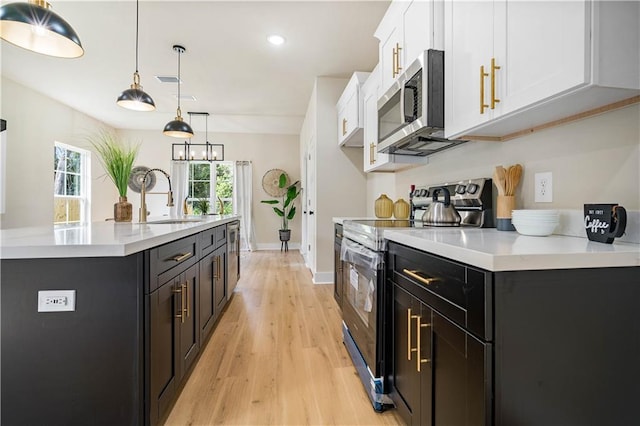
{"x":135,"y":98}
{"x":34,"y":26}
{"x":178,"y":128}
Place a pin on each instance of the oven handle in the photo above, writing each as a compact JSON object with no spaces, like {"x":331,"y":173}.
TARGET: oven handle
{"x":414,"y":274}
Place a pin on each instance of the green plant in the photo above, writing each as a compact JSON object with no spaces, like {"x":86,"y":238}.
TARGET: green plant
{"x":201,"y":204}
{"x":116,"y":156}
{"x":288,"y":210}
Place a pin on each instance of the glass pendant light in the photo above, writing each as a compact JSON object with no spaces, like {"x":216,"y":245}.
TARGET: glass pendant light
{"x":135,"y":98}
{"x":178,"y":128}
{"x":34,"y":26}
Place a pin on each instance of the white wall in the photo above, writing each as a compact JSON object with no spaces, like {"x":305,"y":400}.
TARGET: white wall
{"x":34,"y":123}
{"x":592,"y":160}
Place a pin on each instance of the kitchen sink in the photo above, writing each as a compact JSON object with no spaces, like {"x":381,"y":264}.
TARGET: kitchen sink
{"x":169,"y":221}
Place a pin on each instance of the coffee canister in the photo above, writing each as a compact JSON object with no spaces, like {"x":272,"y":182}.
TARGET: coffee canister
{"x":401,"y":209}
{"x":383,"y":207}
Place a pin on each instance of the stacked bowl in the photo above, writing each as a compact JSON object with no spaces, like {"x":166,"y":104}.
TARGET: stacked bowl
{"x":539,"y":223}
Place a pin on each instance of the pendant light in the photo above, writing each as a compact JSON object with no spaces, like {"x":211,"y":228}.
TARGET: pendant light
{"x":135,"y":98}
{"x":178,"y":128}
{"x":34,"y":26}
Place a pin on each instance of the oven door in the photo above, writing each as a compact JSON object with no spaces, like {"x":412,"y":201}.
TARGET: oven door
{"x":362,"y":272}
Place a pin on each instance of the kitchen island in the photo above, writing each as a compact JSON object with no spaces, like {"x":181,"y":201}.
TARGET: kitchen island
{"x":497,"y":328}
{"x":143,"y":299}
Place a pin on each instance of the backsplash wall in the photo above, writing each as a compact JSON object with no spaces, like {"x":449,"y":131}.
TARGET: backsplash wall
{"x":592,"y":160}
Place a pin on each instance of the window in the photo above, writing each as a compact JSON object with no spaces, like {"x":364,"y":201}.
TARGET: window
{"x":212,"y":182}
{"x":70,"y":184}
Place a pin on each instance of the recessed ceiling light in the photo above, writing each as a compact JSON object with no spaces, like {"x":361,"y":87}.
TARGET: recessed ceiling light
{"x":276,"y":39}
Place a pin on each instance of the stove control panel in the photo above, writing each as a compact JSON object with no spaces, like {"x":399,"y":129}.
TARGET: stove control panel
{"x":470,"y":194}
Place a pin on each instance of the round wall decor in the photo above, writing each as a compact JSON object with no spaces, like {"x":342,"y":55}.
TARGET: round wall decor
{"x":136,"y":176}
{"x":271,"y":180}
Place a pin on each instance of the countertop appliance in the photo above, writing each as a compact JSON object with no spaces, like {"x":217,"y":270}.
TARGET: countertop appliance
{"x":411,"y":112}
{"x":366,"y":301}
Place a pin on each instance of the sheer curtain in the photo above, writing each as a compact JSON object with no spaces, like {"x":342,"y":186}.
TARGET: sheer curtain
{"x":180,"y":185}
{"x":242,"y":199}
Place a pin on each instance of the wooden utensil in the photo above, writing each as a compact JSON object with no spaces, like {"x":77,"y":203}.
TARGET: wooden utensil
{"x":499,"y":179}
{"x":514,"y":174}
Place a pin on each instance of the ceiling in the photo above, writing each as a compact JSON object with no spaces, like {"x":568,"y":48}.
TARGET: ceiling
{"x":246,"y":84}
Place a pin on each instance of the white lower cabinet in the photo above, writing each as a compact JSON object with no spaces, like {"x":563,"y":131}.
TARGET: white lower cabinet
{"x":512,"y":65}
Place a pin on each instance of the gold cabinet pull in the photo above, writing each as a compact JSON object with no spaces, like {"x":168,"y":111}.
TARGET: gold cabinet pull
{"x":181,"y":310}
{"x":215,"y":267}
{"x":409,"y":348}
{"x":372,"y":153}
{"x":394,"y":63}
{"x":419,"y":327}
{"x":494,"y":67}
{"x":482,"y":76}
{"x":344,"y":126}
{"x":413,"y":274}
{"x":188,"y":303}
{"x":398,"y":67}
{"x":181,"y":257}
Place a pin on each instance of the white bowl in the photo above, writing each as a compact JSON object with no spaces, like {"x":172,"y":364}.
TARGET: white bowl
{"x":535,"y":229}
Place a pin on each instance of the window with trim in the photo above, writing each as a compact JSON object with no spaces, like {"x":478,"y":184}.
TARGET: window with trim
{"x":71,"y":184}
{"x":212,"y":182}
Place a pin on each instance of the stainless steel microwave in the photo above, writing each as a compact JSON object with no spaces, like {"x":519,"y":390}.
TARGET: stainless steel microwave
{"x":411,"y":112}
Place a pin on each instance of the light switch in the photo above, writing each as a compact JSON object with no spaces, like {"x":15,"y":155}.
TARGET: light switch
{"x":56,"y":300}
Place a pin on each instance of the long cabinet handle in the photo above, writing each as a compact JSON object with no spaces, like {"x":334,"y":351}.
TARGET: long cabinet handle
{"x":482,"y":76}
{"x":398,"y":67}
{"x":423,"y":280}
{"x":344,"y":126}
{"x":188,"y":303}
{"x":215,"y":268}
{"x":181,"y":257}
{"x":494,"y":67}
{"x":419,"y":327}
{"x":409,"y":348}
{"x":394,"y":63}
{"x":181,"y":310}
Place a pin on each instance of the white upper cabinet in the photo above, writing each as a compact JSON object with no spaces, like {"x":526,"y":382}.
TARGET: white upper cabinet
{"x":350,"y":112}
{"x":407,"y":29}
{"x":512,"y":65}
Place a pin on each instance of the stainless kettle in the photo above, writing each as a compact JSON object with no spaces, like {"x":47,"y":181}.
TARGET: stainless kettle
{"x":441,"y":213}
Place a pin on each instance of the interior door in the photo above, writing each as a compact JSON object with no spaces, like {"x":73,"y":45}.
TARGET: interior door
{"x":310,"y":205}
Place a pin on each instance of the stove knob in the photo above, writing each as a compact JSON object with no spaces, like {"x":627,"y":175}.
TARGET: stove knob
{"x":424,"y":192}
{"x":460,"y":189}
{"x":416,"y":193}
{"x":472,"y":188}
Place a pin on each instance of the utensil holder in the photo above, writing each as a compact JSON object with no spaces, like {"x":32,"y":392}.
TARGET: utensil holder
{"x":505,"y":204}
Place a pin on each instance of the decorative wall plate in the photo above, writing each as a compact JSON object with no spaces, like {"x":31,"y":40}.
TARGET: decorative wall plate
{"x":136,"y":176}
{"x":270,"y":182}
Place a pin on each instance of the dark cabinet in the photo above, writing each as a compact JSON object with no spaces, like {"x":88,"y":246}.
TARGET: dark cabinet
{"x":173,"y":337}
{"x":213,"y":285}
{"x":412,"y":364}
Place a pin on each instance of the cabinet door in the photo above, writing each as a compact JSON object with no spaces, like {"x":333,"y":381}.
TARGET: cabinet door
{"x":189,"y":342}
{"x":533,"y":68}
{"x":220,"y":282}
{"x":468,"y":47}
{"x":425,"y":359}
{"x":417,"y":26}
{"x":348,"y":116}
{"x":371,"y":156}
{"x":164,"y":306}
{"x":208,"y":272}
{"x":389,"y":59}
{"x":405,"y":377}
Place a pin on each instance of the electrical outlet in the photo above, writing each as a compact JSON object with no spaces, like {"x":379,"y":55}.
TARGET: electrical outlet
{"x":543,"y":187}
{"x":56,"y":300}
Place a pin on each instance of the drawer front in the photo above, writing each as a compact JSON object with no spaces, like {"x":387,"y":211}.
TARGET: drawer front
{"x":460,"y":292}
{"x":212,"y":238}
{"x":174,"y":256}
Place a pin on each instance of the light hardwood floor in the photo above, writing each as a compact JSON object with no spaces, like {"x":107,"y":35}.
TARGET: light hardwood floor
{"x":276,"y":356}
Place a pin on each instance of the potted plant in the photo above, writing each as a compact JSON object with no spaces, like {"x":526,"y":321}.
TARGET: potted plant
{"x":288,"y":210}
{"x":117,"y":158}
{"x":202,"y":204}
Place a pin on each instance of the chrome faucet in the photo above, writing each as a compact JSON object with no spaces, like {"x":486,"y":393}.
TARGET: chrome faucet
{"x":143,"y":194}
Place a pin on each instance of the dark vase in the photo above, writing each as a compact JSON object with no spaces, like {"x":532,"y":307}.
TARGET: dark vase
{"x":285,"y":234}
{"x":122,"y":210}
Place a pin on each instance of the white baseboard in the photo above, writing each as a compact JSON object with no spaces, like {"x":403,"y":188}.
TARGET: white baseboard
{"x":323,"y":278}
{"x":276,"y":246}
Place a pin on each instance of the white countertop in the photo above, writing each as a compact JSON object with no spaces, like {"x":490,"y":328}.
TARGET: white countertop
{"x":495,"y":250}
{"x":98,"y":239}
{"x":342,"y":219}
